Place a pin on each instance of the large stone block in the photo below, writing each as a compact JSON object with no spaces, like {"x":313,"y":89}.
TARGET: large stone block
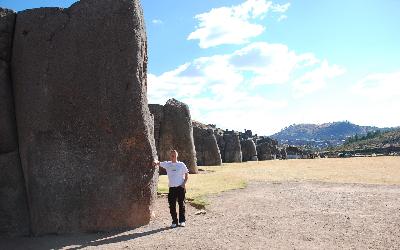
{"x":158,"y":112}
{"x":7,"y":21}
{"x":176,"y":132}
{"x":207,"y":151}
{"x":221,"y":144}
{"x":8,"y":129}
{"x":233,"y":151}
{"x":14,"y":216}
{"x":84,"y":127}
{"x":8,"y":134}
{"x":267,"y":149}
{"x":283,"y":153}
{"x":249,"y":151}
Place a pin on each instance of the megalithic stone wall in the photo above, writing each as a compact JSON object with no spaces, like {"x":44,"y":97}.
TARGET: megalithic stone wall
{"x":221,"y":145}
{"x":207,"y":151}
{"x":157,"y":111}
{"x":249,"y":151}
{"x":84,"y":126}
{"x":283,"y":153}
{"x":14,"y":216}
{"x":176,"y":132}
{"x":233,"y":151}
{"x":266,"y":151}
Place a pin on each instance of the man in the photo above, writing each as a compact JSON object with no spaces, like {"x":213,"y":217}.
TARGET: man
{"x":178,"y":175}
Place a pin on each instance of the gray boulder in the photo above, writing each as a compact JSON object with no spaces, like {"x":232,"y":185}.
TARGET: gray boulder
{"x":176,"y":132}
{"x":249,"y":152}
{"x":207,"y":151}
{"x":14,"y":215}
{"x":84,"y":127}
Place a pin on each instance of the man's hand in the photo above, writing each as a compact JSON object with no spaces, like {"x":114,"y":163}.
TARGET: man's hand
{"x":184,"y":182}
{"x":156,"y":163}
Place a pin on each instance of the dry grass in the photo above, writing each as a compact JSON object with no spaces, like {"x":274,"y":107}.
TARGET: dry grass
{"x":369,"y":170}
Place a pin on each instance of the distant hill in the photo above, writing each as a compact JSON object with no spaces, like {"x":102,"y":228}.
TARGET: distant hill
{"x":384,"y":139}
{"x":321,"y":135}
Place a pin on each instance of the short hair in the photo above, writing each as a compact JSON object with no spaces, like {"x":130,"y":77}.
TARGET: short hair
{"x":174,"y":150}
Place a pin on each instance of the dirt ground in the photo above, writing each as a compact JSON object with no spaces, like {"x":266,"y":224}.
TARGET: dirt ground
{"x":265,"y":215}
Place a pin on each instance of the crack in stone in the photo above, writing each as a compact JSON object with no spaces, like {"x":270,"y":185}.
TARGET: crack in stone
{"x":62,"y":26}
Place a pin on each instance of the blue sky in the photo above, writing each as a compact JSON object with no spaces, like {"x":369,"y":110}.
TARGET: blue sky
{"x":264,"y":65}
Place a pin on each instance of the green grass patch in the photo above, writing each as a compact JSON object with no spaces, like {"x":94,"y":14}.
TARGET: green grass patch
{"x":162,"y":189}
{"x":198,"y":202}
{"x":217,"y":179}
{"x":213,"y":180}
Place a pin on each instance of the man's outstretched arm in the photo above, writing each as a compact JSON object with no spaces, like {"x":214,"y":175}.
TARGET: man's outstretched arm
{"x":158,"y":163}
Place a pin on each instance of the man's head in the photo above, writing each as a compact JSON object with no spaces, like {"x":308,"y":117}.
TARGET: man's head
{"x":174,"y":155}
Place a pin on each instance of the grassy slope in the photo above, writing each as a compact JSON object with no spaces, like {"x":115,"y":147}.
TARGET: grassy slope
{"x":389,"y":137}
{"x":371,"y":170}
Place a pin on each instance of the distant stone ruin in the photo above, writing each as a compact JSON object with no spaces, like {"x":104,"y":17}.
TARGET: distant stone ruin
{"x":241,"y":147}
{"x":267,"y":149}
{"x":229,"y":143}
{"x":82,"y":120}
{"x":249,"y":151}
{"x":173,"y":125}
{"x":283,"y":153}
{"x":294,"y":152}
{"x":207,"y":151}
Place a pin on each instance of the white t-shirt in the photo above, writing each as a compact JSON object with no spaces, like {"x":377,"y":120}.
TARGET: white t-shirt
{"x":175,"y":171}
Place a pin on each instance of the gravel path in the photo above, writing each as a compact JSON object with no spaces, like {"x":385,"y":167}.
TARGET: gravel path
{"x":288,"y":215}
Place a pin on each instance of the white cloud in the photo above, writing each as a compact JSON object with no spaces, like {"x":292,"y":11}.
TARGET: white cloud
{"x":157,"y":21}
{"x":376,"y":98}
{"x":280,"y":8}
{"x":270,"y":63}
{"x":282,"y":17}
{"x":220,"y":89}
{"x":233,"y":25}
{"x":211,"y":75}
{"x":316,"y":79}
{"x":379,"y":86}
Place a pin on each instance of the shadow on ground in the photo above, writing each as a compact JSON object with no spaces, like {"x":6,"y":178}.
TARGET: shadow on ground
{"x":74,"y":241}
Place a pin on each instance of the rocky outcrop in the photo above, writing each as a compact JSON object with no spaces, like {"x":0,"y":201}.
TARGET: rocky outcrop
{"x":14,"y":215}
{"x":84,"y":128}
{"x":249,"y":152}
{"x":176,"y":132}
{"x":232,"y":149}
{"x":207,"y":151}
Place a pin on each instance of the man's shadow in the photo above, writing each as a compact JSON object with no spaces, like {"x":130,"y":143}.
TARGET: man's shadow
{"x":109,"y":239}
{"x":76,"y":241}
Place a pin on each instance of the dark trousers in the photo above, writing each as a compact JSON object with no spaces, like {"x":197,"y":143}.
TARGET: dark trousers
{"x":177,"y":193}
